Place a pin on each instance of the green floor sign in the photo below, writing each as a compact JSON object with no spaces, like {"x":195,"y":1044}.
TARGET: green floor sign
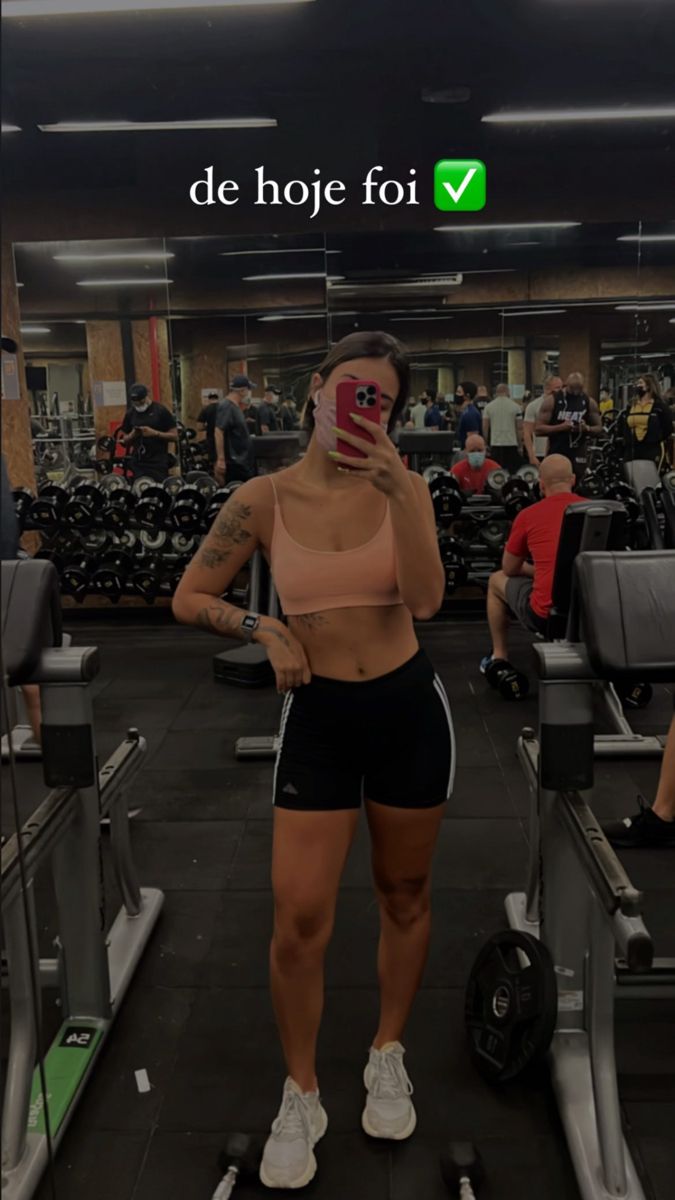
{"x":65,"y":1064}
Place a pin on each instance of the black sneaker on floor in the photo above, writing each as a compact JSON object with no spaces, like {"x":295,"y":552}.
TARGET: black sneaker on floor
{"x":643,"y":830}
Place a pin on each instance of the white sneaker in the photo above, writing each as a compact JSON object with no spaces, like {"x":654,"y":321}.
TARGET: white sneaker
{"x":389,"y":1111}
{"x":288,"y":1158}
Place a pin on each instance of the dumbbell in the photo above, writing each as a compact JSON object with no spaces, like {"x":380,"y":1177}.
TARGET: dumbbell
{"x":515,"y":496}
{"x":152,"y":505}
{"x":529,"y":474}
{"x":493,"y":534}
{"x":119,"y":503}
{"x":624,"y":493}
{"x":76,"y":576}
{"x":452,"y":557}
{"x":496,"y":480}
{"x":83,"y":506}
{"x":23,"y":498}
{"x":188,"y":509}
{"x":447,"y":498}
{"x":145,"y":577}
{"x":634,"y":694}
{"x":46,"y":510}
{"x":462,"y":1170}
{"x":240,"y":1159}
{"x":509,"y":682}
{"x":592,"y":486}
{"x":110,"y":577}
{"x":219,"y":498}
{"x":173,"y":484}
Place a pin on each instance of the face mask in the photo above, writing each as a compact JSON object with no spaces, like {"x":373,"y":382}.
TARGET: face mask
{"x":325,"y":417}
{"x":476,"y":459}
{"x":142,"y":407}
{"x":459,"y":399}
{"x":640,"y":391}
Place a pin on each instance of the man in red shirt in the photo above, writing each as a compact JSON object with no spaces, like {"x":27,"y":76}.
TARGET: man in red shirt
{"x":471,"y":472}
{"x":523,"y":588}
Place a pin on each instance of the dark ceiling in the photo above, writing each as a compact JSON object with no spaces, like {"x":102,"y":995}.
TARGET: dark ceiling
{"x":345,"y":82}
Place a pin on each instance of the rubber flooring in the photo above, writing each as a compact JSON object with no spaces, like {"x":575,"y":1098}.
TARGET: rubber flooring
{"x":198,"y":1017}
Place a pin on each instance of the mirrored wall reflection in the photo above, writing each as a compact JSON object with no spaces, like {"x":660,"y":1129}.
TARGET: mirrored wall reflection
{"x":93,"y":324}
{"x":248,"y":322}
{"x":507,"y":309}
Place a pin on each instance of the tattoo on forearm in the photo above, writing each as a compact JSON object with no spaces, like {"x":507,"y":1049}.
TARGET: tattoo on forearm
{"x":278,"y":633}
{"x":228,"y":531}
{"x":311,"y":620}
{"x":219,"y":619}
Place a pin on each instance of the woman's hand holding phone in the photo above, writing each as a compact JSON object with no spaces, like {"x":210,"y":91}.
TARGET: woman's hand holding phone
{"x":380,"y":463}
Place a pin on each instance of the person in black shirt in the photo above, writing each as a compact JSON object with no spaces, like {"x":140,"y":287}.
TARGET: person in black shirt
{"x":207,"y":420}
{"x":287,"y":416}
{"x":647,"y":424}
{"x":234,"y":446}
{"x":568,"y":417}
{"x":147,"y":428}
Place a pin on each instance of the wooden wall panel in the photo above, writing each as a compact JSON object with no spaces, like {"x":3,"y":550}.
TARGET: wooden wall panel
{"x":106,"y":365}
{"x":140,"y":332}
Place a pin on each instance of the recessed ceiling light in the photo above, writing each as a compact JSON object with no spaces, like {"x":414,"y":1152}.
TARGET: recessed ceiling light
{"x":443,"y":318}
{"x":310,"y":316}
{"x":607,"y":357}
{"x":647,"y":237}
{"x":123,"y":256}
{"x":532,"y":312}
{"x":11,"y":128}
{"x":35,"y":329}
{"x":122,"y":282}
{"x":289,"y":250}
{"x":20,"y":285}
{"x":58,"y":8}
{"x":655,"y":112}
{"x":665,"y":306}
{"x":510,"y":244}
{"x":162,"y":126}
{"x":499,"y":228}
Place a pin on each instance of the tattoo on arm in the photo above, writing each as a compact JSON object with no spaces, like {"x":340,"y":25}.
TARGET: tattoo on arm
{"x":228,"y":531}
{"x":219,"y":618}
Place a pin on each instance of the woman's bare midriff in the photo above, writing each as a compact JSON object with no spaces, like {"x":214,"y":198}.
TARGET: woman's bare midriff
{"x":352,"y":644}
{"x":356,"y":643}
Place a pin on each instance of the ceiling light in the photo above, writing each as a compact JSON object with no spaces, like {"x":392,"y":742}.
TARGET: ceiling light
{"x":11,"y":128}
{"x":500,"y":228}
{"x":532,"y":312}
{"x":620,"y":345}
{"x":289,"y":275}
{"x":510,"y":244}
{"x":35,"y":329}
{"x":607,"y":357}
{"x":123,"y":256}
{"x":58,"y":8}
{"x":671,"y":321}
{"x":654,"y":112}
{"x":665,"y":306}
{"x":296,"y":317}
{"x":444,"y":318}
{"x":20,"y":285}
{"x":122,"y":282}
{"x":146,"y":126}
{"x":289,"y":250}
{"x":647,"y":237}
{"x":657,"y":354}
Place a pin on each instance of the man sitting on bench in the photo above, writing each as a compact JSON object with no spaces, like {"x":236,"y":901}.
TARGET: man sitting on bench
{"x":523,"y":588}
{"x":653,"y":826}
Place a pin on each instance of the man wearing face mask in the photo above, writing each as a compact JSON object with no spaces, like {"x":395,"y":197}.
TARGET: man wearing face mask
{"x":234,"y":446}
{"x":568,"y":418}
{"x":472,"y":472}
{"x":469,"y":415}
{"x":147,"y":429}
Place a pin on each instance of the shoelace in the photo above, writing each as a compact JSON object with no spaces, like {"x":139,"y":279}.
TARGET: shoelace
{"x":292,"y":1121}
{"x":391,"y":1078}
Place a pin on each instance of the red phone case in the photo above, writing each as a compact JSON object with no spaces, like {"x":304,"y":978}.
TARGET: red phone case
{"x":354,"y":396}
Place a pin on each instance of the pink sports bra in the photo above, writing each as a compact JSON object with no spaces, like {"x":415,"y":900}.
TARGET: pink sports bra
{"x":309,"y":581}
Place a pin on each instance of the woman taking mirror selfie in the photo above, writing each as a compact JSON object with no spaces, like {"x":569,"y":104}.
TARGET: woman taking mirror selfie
{"x":352,"y":546}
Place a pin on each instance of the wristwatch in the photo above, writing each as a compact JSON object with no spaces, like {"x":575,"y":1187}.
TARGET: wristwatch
{"x":249,"y":626}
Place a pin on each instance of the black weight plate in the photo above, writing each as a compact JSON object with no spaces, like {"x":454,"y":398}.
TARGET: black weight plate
{"x":529,"y":474}
{"x":152,"y":541}
{"x":113,"y":483}
{"x":510,"y":1009}
{"x":182,"y":543}
{"x":141,"y":485}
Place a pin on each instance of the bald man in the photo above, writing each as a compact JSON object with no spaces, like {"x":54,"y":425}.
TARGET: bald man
{"x":471,"y":472}
{"x":568,"y":418}
{"x":524,"y":585}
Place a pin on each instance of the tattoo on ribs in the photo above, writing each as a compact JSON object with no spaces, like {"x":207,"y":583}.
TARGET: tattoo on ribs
{"x":311,"y":620}
{"x":227,"y":532}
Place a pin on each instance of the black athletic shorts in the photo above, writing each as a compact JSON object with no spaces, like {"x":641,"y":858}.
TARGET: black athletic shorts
{"x":388,"y":739}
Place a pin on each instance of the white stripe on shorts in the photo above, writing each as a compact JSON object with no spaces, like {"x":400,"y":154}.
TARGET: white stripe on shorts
{"x":282,"y":729}
{"x":453,"y":749}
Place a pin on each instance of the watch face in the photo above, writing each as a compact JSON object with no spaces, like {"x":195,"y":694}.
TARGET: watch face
{"x":250,"y":622}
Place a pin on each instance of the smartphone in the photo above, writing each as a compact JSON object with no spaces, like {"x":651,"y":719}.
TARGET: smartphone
{"x":360,"y":396}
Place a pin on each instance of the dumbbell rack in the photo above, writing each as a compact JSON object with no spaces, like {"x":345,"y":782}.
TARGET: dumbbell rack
{"x":111,"y":540}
